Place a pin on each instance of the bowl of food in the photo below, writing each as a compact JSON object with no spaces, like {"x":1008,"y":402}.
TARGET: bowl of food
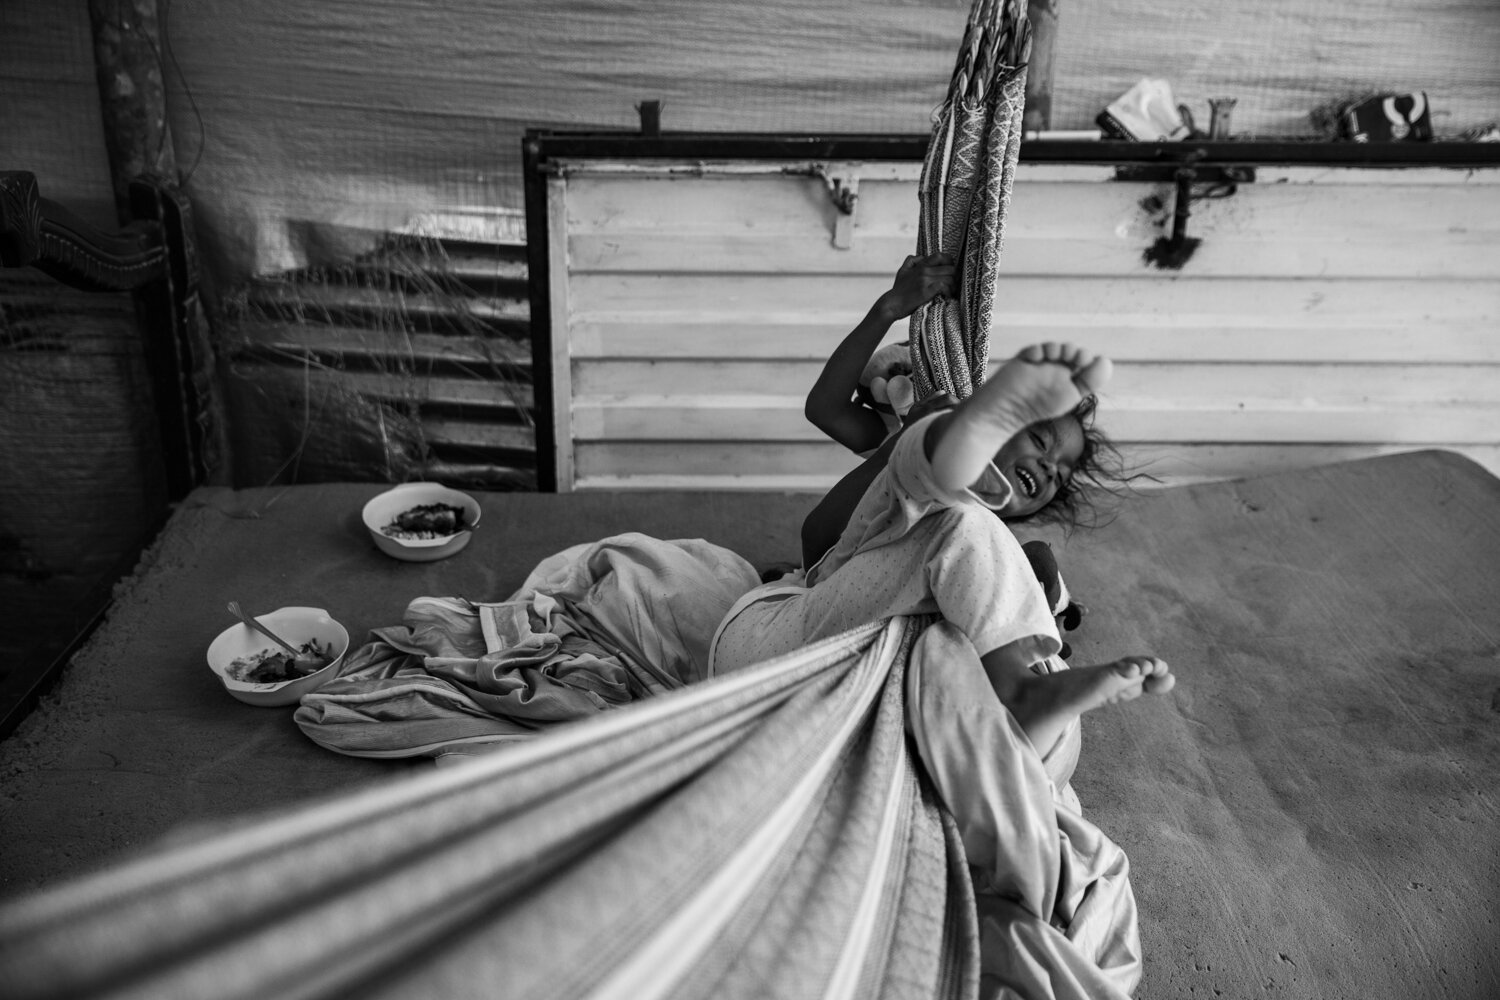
{"x":257,"y":671}
{"x":420,"y":522}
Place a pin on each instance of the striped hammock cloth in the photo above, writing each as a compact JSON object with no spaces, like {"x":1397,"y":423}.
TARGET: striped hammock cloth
{"x":767,"y":833}
{"x":964,"y":193}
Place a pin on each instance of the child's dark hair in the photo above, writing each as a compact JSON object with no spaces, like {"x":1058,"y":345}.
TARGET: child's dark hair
{"x":1098,"y":481}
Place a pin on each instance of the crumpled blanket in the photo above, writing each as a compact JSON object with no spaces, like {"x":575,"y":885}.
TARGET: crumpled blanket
{"x":594,"y":627}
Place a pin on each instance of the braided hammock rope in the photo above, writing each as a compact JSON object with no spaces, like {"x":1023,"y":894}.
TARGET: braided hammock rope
{"x":964,"y":193}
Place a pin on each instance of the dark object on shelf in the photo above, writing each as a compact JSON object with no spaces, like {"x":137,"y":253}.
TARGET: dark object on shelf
{"x":1387,"y":118}
{"x":650,"y":112}
{"x":1220,"y":110}
{"x":1193,"y":131}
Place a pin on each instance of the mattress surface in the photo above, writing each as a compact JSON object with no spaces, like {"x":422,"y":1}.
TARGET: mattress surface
{"x":1311,"y":813}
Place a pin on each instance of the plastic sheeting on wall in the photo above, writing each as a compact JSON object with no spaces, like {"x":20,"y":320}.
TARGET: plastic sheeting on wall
{"x":308,"y":128}
{"x":352,"y":116}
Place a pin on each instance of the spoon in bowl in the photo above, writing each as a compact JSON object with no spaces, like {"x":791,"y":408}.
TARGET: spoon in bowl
{"x":238,"y":612}
{"x":303,"y":663}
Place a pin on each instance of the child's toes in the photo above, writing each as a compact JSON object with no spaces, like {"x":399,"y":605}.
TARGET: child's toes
{"x":1160,"y":683}
{"x":1094,"y":373}
{"x":1153,"y":665}
{"x":1142,"y":667}
{"x":1048,"y":352}
{"x":1159,"y":676}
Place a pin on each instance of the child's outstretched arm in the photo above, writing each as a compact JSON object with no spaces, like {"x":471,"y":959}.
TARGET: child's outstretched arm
{"x":830,"y":403}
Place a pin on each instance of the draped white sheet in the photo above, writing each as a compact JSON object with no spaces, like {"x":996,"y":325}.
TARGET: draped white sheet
{"x":772,"y":832}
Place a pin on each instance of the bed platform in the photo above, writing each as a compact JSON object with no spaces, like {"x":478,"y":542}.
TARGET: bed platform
{"x":1312,"y":813}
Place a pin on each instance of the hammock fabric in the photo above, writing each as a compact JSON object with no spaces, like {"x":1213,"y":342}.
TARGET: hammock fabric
{"x":767,"y":833}
{"x":964,"y":192}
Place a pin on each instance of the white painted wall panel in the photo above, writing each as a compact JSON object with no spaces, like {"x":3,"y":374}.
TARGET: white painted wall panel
{"x":1328,"y":314}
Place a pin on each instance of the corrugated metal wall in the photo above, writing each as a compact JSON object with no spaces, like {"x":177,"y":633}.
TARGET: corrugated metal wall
{"x":1329,"y":313}
{"x":412,"y":362}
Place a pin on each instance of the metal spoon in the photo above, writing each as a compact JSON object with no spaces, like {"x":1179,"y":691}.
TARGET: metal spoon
{"x":234,"y":608}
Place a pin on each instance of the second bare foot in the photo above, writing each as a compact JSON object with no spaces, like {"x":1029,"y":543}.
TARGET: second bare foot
{"x":1044,"y":704}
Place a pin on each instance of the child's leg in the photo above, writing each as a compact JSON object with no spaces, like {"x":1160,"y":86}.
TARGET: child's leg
{"x":985,"y":586}
{"x":1044,"y":704}
{"x":962,"y":563}
{"x":1040,"y":383}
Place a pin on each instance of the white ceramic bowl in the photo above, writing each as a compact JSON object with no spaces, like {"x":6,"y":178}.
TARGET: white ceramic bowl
{"x":296,"y":626}
{"x":385,"y":508}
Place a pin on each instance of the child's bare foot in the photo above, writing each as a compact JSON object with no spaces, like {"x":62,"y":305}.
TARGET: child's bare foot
{"x":1044,"y":704}
{"x":1042,"y":382}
